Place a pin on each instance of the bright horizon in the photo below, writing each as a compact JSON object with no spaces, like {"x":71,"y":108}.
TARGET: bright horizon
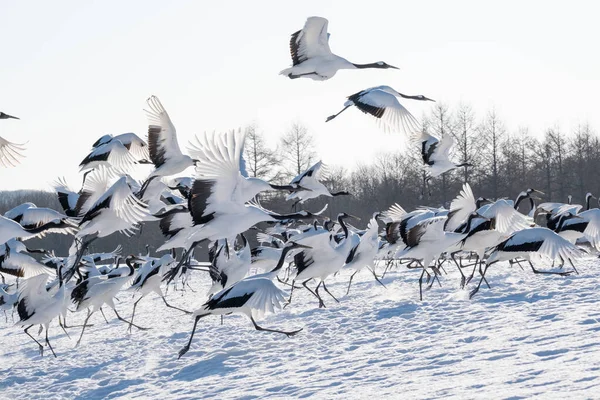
{"x":76,"y":71}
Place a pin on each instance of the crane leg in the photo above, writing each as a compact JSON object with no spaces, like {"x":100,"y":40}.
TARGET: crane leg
{"x":63,"y":327}
{"x":32,"y":338}
{"x":463,"y":279}
{"x":535,"y":271}
{"x":335,"y":115}
{"x":260,"y":328}
{"x":48,"y":343}
{"x":66,"y":326}
{"x":133,"y":313}
{"x":519,"y":264}
{"x":292,"y":76}
{"x":291,"y":293}
{"x":128,"y":322}
{"x":188,"y":285}
{"x":479,"y":284}
{"x":483,"y":275}
{"x":102,"y":312}
{"x":321,"y":303}
{"x":89,"y":314}
{"x":377,"y":278}
{"x":328,"y":292}
{"x":572,"y":265}
{"x":421,"y":285}
{"x":295,"y":205}
{"x":187,"y":346}
{"x":387,"y":266}
{"x":350,"y":282}
{"x":176,"y":308}
{"x":477,"y":262}
{"x":285,"y":283}
{"x":173,"y":272}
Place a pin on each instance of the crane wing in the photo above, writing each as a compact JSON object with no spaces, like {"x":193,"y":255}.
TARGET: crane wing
{"x":442,"y":152}
{"x":96,"y":184}
{"x":113,"y":153}
{"x":508,"y":220}
{"x":460,"y":208}
{"x":32,"y":295}
{"x":592,"y":231}
{"x":23,"y":266}
{"x":314,"y":171}
{"x":10,"y":153}
{"x":220,"y":173}
{"x":66,"y":197}
{"x":136,"y":145}
{"x":162,"y":137}
{"x":369,"y":244}
{"x":391,"y":115}
{"x":394,"y":214}
{"x":555,"y":247}
{"x":311,"y":41}
{"x":36,"y":217}
{"x":126,"y":205}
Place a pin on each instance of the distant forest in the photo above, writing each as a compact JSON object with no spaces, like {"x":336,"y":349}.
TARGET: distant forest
{"x":558,"y":162}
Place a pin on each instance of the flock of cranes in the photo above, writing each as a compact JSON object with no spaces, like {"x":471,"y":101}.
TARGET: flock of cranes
{"x":218,"y":207}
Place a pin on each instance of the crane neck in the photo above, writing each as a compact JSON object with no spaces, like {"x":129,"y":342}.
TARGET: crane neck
{"x":519,"y":199}
{"x":364,"y":66}
{"x":281,"y":260}
{"x":561,"y":222}
{"x":587,"y":202}
{"x":343,"y":225}
{"x":469,"y":223}
{"x":532,"y":203}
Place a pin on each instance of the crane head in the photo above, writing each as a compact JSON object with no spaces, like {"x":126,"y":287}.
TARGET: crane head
{"x":383,"y":65}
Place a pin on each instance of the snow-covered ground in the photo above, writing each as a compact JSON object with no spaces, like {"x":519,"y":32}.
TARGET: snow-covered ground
{"x":530,"y":336}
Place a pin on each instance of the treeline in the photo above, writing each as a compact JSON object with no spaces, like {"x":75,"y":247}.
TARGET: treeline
{"x":557,"y":162}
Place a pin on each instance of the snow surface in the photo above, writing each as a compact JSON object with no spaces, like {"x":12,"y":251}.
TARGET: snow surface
{"x":529,"y":336}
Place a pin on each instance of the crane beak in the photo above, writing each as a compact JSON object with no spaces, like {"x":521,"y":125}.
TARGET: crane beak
{"x":354,"y":217}
{"x":392,"y":67}
{"x":539,"y":192}
{"x":10,"y":116}
{"x":428,"y":99}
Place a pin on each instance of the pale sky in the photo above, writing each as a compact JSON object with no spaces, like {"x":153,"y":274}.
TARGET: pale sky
{"x":75,"y":70}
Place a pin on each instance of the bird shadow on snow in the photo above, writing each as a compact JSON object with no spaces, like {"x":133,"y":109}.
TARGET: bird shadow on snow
{"x":110,"y":391}
{"x":407,"y":310}
{"x":214,"y":365}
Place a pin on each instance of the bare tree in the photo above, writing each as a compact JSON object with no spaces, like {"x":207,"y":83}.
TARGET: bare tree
{"x":465,"y":136}
{"x":297,"y":149}
{"x":260,"y":159}
{"x":582,"y":163}
{"x":558,"y":148}
{"x":493,"y":133}
{"x":524,"y":158}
